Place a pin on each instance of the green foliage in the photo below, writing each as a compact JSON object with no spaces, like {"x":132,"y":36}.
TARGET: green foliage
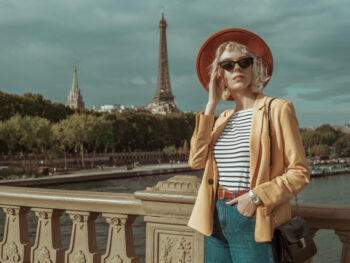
{"x":31,"y":105}
{"x":147,"y":132}
{"x":322,"y":141}
{"x":328,"y":135}
{"x":29,"y":123}
{"x":26,"y":134}
{"x":170,"y":150}
{"x":342,"y":145}
{"x":320,"y":150}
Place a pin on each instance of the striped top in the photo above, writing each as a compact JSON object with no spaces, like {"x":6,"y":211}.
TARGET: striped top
{"x":231,"y":151}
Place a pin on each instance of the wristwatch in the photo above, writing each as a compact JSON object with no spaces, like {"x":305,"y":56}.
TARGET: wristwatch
{"x":255,"y":199}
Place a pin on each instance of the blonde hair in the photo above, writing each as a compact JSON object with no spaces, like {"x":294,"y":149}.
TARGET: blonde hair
{"x":260,"y":67}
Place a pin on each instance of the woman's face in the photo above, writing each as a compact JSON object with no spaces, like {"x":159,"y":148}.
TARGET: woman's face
{"x":238,"y":79}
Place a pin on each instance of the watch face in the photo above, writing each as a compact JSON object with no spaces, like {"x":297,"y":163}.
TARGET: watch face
{"x":256,"y":200}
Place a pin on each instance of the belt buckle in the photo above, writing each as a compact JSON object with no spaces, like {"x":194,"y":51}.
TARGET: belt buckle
{"x":222,"y":195}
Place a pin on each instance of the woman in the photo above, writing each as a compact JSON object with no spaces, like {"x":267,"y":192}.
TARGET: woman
{"x":242,"y":198}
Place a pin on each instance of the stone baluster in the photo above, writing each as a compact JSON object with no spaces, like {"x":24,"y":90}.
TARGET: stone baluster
{"x":344,"y":237}
{"x":48,"y":247}
{"x":15,"y":246}
{"x":120,"y":244}
{"x":83,"y":245}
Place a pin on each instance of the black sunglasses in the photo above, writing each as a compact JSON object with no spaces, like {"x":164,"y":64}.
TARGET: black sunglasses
{"x":230,"y":64}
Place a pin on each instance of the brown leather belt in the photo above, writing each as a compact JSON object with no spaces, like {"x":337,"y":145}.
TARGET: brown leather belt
{"x":226,"y":194}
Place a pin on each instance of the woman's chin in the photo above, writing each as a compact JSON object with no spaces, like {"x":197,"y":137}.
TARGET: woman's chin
{"x":227,"y":98}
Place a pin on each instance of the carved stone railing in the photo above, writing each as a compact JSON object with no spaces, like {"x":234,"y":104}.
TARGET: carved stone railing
{"x":166,"y":208}
{"x":83,"y":207}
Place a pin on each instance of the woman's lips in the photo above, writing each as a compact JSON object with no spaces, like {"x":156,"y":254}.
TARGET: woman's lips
{"x":239,"y":77}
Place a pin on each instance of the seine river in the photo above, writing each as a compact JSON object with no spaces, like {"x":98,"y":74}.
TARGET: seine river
{"x":328,"y":190}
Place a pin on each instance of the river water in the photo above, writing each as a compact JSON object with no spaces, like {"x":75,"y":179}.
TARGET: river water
{"x":328,"y":190}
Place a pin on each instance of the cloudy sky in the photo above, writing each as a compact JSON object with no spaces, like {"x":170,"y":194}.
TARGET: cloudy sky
{"x":115,"y":46}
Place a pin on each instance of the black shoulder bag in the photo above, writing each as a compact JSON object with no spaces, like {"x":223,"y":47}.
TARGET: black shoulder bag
{"x":292,"y":241}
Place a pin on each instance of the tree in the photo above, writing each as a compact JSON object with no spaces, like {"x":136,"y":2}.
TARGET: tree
{"x":77,"y":132}
{"x":62,"y":138}
{"x":27,"y":135}
{"x":169,"y":150}
{"x":342,"y":145}
{"x":100,"y":134}
{"x":10,"y":133}
{"x":328,"y":135}
{"x":320,"y":150}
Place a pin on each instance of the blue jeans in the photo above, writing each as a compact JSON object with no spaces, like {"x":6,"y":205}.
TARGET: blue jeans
{"x":233,"y":240}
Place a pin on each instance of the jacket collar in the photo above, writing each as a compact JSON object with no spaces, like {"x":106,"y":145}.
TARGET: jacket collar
{"x":260,"y":101}
{"x":258,"y":105}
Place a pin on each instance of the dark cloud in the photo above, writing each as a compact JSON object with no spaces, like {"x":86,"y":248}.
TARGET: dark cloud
{"x":115,"y":46}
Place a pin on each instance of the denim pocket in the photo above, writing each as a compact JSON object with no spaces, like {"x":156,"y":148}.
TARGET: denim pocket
{"x":243,"y":216}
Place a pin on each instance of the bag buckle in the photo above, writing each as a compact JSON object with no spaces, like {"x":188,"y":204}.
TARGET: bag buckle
{"x":302,"y":242}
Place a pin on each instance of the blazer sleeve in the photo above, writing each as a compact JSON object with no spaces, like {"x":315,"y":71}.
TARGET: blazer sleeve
{"x":200,"y":140}
{"x":297,"y":173}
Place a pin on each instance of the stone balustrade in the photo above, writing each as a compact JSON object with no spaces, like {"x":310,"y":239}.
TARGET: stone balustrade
{"x":166,"y":208}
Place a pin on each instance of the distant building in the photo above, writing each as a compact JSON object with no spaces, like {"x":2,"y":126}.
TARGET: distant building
{"x":75,"y":99}
{"x":120,"y":108}
{"x":112,"y":108}
{"x":164,"y":99}
{"x":343,"y":129}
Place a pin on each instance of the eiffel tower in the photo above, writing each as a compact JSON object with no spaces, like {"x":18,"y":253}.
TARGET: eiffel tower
{"x":164,"y":99}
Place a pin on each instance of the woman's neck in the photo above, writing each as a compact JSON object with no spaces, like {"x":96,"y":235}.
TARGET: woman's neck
{"x":244,"y":101}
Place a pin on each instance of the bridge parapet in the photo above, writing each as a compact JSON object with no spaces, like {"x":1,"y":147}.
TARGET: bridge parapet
{"x":166,"y":208}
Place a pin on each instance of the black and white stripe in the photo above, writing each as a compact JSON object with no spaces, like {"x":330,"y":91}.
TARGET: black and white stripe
{"x":231,"y":151}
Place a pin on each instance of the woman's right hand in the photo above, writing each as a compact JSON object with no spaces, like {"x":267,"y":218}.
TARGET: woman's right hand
{"x":215,"y":91}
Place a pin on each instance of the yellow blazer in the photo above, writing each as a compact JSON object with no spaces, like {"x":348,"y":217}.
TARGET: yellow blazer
{"x":288,"y":175}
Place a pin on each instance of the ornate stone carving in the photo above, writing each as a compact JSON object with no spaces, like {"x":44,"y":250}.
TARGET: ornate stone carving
{"x":117,"y":223}
{"x":83,"y":245}
{"x":79,"y":220}
{"x":79,"y":257}
{"x":47,"y":247}
{"x":165,"y":255}
{"x":44,"y":216}
{"x":11,"y":253}
{"x":117,"y":259}
{"x":120,"y":244}
{"x":178,"y":183}
{"x":184,"y":248}
{"x":44,"y":255}
{"x":11,"y":213}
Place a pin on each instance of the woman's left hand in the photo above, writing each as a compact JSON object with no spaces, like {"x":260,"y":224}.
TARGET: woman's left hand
{"x":245,"y":205}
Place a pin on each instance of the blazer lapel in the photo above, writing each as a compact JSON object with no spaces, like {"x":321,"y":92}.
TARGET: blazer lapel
{"x":255,"y":134}
{"x":221,"y":126}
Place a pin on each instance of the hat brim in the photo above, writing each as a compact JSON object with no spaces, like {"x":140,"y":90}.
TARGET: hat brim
{"x":207,"y":52}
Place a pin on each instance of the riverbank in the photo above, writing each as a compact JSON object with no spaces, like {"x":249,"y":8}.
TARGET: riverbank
{"x":98,"y":174}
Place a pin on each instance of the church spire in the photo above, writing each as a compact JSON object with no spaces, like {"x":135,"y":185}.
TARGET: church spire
{"x":75,"y":100}
{"x":75,"y":85}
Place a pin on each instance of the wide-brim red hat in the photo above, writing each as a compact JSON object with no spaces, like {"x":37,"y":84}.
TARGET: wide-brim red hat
{"x":207,"y":52}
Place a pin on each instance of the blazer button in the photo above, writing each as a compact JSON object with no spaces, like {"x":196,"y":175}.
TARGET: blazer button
{"x":210,"y":181}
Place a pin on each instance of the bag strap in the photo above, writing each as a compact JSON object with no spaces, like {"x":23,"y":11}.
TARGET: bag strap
{"x":269,"y":118}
